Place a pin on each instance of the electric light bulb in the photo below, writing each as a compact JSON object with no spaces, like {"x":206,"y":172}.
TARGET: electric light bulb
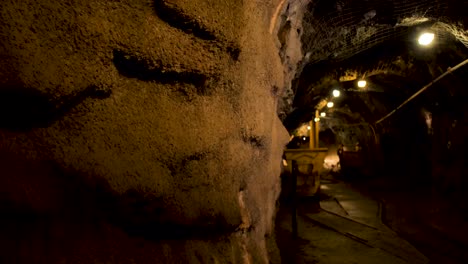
{"x":336,"y":93}
{"x":426,"y":39}
{"x":362,"y":83}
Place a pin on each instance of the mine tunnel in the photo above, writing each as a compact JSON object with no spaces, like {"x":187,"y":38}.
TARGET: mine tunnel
{"x":254,"y":131}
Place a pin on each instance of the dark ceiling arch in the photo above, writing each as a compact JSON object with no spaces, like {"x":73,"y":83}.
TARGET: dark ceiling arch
{"x":340,"y":46}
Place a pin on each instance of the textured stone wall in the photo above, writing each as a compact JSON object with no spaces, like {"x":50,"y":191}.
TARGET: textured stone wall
{"x":289,"y":31}
{"x":138,"y":131}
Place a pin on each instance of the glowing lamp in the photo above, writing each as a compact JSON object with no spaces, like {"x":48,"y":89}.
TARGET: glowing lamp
{"x":336,"y":93}
{"x":323,"y":114}
{"x":330,"y":104}
{"x":362,"y":84}
{"x":316,"y":119}
{"x":426,"y":39}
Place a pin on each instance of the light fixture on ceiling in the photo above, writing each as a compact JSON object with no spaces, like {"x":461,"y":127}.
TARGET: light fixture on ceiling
{"x":336,"y":93}
{"x":361,"y":83}
{"x":323,"y":114}
{"x":330,"y":104}
{"x":316,"y":119}
{"x":426,"y":38}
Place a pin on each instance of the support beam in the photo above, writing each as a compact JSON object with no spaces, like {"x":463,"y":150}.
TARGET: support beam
{"x":311,"y":135}
{"x":314,"y":132}
{"x":317,"y":129}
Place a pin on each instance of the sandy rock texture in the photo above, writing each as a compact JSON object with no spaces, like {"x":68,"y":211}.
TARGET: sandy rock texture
{"x":138,"y":131}
{"x":289,"y":30}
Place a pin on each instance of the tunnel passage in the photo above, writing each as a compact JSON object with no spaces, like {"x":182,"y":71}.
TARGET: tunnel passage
{"x":394,"y":101}
{"x":344,"y":42}
{"x":148,"y":131}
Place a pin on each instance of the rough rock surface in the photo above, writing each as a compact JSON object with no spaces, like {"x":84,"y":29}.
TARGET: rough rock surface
{"x":138,"y":131}
{"x":289,"y":30}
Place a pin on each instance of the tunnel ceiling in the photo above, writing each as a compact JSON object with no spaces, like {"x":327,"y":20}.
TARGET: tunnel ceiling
{"x":344,"y":41}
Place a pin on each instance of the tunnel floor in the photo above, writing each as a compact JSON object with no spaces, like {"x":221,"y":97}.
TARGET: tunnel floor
{"x":373,"y":221}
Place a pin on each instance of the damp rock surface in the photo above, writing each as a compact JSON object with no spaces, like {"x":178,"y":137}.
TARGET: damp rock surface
{"x":138,"y":131}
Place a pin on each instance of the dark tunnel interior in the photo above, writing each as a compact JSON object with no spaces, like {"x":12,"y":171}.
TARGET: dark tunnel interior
{"x":401,"y":138}
{"x":282,"y":131}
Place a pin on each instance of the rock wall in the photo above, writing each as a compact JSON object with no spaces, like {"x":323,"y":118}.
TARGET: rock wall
{"x":289,"y":31}
{"x":138,"y":131}
{"x":448,"y":144}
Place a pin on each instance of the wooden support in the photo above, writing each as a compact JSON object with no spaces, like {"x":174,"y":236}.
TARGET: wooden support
{"x":312,"y":135}
{"x":314,"y":132}
{"x":317,"y":129}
